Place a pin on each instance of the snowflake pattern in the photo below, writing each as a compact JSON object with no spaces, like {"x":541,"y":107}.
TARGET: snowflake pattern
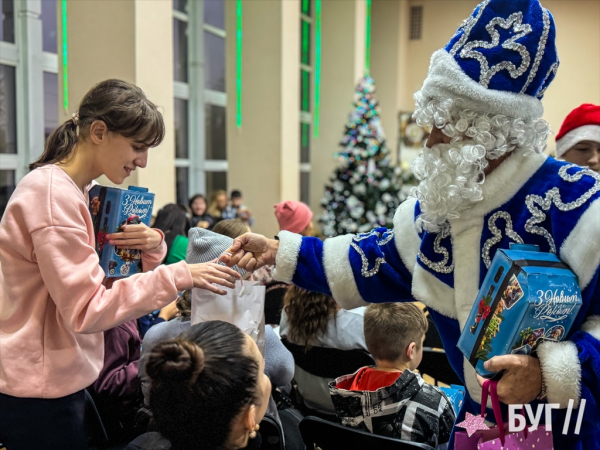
{"x":440,"y":266}
{"x":466,"y":27}
{"x":515,"y":23}
{"x":537,"y":205}
{"x":383,"y":239}
{"x":497,"y":235}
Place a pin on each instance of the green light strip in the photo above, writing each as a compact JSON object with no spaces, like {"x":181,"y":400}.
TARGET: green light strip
{"x":305,"y":91}
{"x":317,"y":67}
{"x":64,"y":57}
{"x":238,"y":81}
{"x":306,"y":7}
{"x":305,"y":42}
{"x":305,"y":134}
{"x":368,"y":40}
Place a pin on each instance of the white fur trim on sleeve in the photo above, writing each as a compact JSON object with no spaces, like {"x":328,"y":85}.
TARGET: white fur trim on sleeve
{"x":287,"y":256}
{"x":446,"y":80}
{"x":336,"y":260}
{"x":581,"y":249}
{"x":584,"y":133}
{"x":592,"y":326}
{"x":406,"y":237}
{"x":434,"y":293}
{"x":561,"y":371}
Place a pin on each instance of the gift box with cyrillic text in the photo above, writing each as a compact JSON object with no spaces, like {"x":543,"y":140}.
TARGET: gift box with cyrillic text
{"x":111,"y":209}
{"x":527,"y":297}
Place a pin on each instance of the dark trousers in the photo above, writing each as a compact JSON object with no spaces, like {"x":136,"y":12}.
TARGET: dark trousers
{"x":43,"y":424}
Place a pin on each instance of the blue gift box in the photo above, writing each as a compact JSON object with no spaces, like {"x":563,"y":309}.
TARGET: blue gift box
{"x":526,"y":297}
{"x":456,"y":396}
{"x":111,"y":208}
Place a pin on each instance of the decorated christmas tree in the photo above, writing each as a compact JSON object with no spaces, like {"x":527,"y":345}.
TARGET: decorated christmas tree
{"x":366,"y":188}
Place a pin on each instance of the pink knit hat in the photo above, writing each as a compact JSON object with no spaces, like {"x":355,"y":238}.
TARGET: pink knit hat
{"x":293,"y":216}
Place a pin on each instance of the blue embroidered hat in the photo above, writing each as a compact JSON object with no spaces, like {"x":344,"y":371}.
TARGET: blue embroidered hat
{"x":501,"y":60}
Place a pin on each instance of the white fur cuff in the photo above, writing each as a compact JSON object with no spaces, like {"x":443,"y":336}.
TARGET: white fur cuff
{"x":561,"y":371}
{"x":407,"y":239}
{"x":592,"y":326}
{"x":336,"y":260}
{"x":287,"y":256}
{"x":581,"y":249}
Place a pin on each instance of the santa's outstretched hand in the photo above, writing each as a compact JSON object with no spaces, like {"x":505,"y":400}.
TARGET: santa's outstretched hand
{"x":251,"y":251}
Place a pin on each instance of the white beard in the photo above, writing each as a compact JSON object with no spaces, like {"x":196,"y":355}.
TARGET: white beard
{"x":451,"y":176}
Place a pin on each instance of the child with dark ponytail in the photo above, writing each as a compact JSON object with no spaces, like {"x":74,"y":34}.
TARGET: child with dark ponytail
{"x":54,"y":306}
{"x":208,"y":389}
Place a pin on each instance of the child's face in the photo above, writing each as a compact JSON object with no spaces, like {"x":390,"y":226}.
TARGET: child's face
{"x":199,"y":206}
{"x":236,"y":202}
{"x":222,"y":202}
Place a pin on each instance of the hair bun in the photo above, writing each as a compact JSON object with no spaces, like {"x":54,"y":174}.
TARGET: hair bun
{"x":176,"y":360}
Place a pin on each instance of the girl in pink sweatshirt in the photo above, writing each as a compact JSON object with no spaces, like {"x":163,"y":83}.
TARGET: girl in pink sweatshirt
{"x":54,"y":306}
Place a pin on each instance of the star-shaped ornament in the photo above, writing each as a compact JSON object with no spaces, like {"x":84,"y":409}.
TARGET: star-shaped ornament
{"x":473,"y":423}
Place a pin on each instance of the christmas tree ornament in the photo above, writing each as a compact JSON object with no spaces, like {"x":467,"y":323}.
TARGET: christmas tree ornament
{"x":366,"y":189}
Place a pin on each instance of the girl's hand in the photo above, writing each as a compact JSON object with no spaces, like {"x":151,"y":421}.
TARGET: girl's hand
{"x":169,"y":312}
{"x":136,"y":237}
{"x":205,"y":274}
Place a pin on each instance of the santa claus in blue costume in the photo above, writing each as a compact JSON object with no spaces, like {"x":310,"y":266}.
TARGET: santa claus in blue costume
{"x":485,"y":182}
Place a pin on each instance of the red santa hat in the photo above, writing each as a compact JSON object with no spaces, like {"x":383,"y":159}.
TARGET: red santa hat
{"x":582,"y":124}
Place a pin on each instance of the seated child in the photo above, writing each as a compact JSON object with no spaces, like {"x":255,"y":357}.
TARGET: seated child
{"x":237,"y":210}
{"x":400,"y":404}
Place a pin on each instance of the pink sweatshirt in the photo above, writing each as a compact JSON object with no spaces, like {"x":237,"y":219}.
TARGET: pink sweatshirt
{"x":53,"y":305}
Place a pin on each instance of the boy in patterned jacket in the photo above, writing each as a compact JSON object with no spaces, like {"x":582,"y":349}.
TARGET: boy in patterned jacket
{"x":391,"y":399}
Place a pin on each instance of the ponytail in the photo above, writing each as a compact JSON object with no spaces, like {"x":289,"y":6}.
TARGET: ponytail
{"x":59,"y":145}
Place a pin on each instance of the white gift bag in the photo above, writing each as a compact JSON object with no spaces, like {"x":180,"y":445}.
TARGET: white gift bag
{"x":242,"y":306}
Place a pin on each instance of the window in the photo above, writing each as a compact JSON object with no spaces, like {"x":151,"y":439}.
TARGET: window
{"x":180,"y":50}
{"x":8,"y":184}
{"x":214,"y":61}
{"x":416,"y":22}
{"x":7,"y":21}
{"x":306,"y":69}
{"x":28,"y":80}
{"x":50,"y":103}
{"x":49,"y":22}
{"x":8,"y":110}
{"x":215,"y":132}
{"x":200,"y":97}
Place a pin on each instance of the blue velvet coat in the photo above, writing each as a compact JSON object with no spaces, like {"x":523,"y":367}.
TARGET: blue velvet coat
{"x":529,"y":198}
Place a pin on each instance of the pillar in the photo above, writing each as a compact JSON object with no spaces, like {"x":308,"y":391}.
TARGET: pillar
{"x":343,"y":62}
{"x":131,"y":40}
{"x":264,"y":152}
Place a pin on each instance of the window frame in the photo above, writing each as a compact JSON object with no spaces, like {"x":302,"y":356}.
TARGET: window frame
{"x":197,"y":96}
{"x":26,"y":55}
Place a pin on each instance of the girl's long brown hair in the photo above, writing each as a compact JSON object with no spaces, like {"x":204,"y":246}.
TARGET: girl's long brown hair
{"x":308,"y":314}
{"x":122,"y":106}
{"x":213,"y":210}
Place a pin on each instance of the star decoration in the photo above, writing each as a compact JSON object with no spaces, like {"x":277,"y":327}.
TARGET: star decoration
{"x":515,"y":24}
{"x":473,"y":423}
